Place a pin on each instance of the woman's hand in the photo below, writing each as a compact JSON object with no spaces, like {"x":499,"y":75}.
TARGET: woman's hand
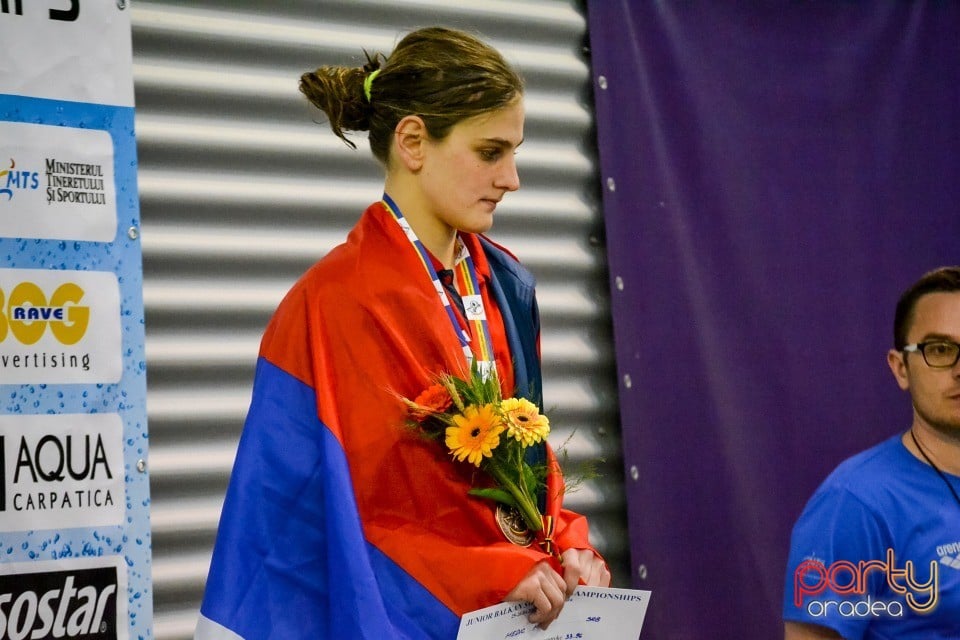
{"x":583,"y":566}
{"x":545,"y":588}
{"x":548,"y":590}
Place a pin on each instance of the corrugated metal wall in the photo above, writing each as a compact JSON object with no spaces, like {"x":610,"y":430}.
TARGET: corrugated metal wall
{"x":242,"y":190}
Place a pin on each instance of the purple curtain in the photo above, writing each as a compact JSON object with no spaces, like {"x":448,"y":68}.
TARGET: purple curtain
{"x":774,"y":175}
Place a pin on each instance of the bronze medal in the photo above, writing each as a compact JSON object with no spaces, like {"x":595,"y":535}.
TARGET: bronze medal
{"x":512,"y":525}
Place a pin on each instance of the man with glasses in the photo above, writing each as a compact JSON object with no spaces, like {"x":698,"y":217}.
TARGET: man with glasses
{"x":876,"y":552}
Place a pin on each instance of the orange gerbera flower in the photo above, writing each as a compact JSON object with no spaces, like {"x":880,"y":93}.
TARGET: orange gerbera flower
{"x":475,"y":434}
{"x":524,"y":422}
{"x":434,"y":399}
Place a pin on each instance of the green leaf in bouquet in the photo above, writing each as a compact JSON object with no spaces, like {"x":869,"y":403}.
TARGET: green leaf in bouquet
{"x":494,"y":494}
{"x":529,"y":477}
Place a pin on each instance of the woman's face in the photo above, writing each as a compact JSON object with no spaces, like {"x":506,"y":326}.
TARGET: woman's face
{"x":465,"y":175}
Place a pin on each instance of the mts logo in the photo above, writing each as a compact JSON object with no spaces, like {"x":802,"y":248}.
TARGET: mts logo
{"x":13,"y":178}
{"x":66,"y":15}
{"x":27,"y":313}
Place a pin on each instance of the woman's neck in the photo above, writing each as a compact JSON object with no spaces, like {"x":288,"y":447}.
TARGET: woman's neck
{"x":436,"y":236}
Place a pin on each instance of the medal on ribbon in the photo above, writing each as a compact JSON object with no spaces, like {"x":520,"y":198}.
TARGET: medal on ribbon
{"x":512,"y":526}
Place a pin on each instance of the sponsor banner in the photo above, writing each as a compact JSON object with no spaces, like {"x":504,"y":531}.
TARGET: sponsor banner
{"x":73,"y":599}
{"x":56,"y":183}
{"x":76,"y":50}
{"x":73,"y":424}
{"x":59,"y":326}
{"x":61,"y":471}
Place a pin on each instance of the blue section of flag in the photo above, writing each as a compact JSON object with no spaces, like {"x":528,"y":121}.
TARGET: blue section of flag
{"x":291,"y":560}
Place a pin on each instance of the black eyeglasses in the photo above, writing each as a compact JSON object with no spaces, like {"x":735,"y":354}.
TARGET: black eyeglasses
{"x":936,"y":353}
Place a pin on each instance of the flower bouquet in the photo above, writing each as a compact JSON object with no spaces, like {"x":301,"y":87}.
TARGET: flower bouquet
{"x":479,"y":426}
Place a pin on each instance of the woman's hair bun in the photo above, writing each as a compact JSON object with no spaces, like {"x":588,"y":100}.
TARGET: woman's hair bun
{"x":338,"y":91}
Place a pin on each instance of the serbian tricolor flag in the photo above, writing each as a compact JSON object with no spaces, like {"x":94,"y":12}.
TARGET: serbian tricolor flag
{"x":340,"y":521}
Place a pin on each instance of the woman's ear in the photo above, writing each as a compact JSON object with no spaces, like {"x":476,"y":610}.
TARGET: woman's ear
{"x":409,"y":141}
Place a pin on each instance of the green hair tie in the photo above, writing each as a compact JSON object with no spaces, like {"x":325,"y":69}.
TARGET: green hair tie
{"x":368,"y":82}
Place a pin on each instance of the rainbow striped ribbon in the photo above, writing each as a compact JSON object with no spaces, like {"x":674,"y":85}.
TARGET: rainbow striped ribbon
{"x":472,"y":301}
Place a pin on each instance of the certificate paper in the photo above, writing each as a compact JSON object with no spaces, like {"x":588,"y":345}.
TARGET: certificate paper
{"x":591,"y":613}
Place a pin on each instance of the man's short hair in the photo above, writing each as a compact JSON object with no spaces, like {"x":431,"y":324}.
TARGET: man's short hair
{"x":943,"y":279}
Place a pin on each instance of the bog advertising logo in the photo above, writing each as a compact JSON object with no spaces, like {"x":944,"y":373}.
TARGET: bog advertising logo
{"x":56,"y":183}
{"x":59,"y":326}
{"x":815,"y":584}
{"x":61,"y":471}
{"x":76,"y":599}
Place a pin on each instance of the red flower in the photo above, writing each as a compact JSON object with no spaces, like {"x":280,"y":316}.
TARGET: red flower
{"x":433,"y":400}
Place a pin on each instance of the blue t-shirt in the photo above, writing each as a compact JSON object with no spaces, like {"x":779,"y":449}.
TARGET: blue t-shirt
{"x":876,"y":552}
